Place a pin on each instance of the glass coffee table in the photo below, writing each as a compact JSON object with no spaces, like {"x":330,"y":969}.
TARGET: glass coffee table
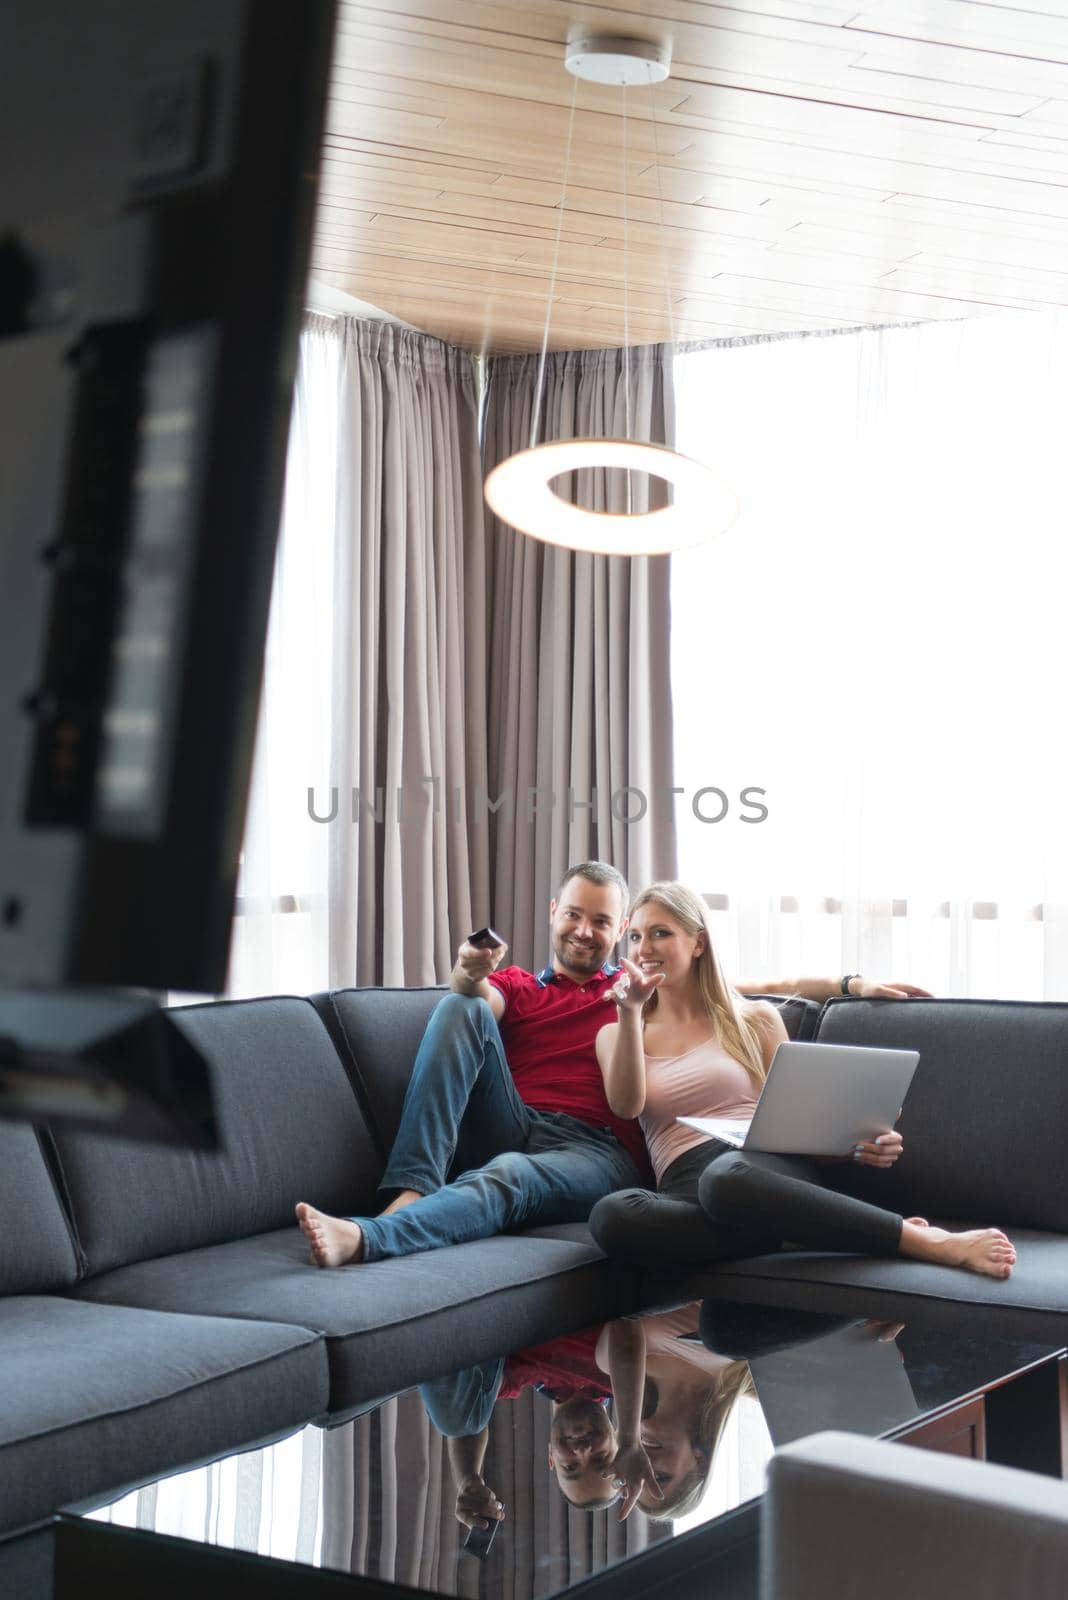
{"x":383,"y":1504}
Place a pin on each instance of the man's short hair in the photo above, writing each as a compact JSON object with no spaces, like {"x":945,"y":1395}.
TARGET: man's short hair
{"x":598,"y":872}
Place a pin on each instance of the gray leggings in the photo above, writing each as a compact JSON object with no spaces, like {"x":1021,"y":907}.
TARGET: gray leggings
{"x":716,"y":1203}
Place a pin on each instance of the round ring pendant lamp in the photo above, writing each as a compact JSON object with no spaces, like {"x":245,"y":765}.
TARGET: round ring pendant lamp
{"x":519,"y":490}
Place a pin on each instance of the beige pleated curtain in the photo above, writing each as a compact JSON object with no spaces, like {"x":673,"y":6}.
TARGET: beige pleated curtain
{"x":499,"y":707}
{"x":408,"y":737}
{"x":579,"y":693}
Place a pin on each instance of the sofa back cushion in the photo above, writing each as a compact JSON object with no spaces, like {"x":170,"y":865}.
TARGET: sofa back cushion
{"x":800,"y":1017}
{"x":378,"y":1032}
{"x":985,"y":1119}
{"x":37,"y":1249}
{"x":291,"y":1129}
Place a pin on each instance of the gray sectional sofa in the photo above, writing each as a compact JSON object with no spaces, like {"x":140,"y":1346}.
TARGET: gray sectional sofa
{"x":159,"y":1309}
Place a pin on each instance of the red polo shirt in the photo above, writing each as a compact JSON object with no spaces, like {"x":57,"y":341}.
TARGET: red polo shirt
{"x":548,"y":1028}
{"x":560,"y":1368}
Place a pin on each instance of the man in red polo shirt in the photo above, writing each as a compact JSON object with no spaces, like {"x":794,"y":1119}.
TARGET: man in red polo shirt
{"x":582,"y":1439}
{"x":505,"y":1121}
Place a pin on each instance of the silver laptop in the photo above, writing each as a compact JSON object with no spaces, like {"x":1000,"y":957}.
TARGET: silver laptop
{"x":820,"y":1100}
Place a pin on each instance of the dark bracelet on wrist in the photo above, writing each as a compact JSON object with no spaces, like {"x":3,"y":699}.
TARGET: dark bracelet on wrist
{"x":847,"y":980}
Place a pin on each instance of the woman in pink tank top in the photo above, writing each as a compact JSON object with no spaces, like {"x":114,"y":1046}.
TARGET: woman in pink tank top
{"x":685,"y":1043}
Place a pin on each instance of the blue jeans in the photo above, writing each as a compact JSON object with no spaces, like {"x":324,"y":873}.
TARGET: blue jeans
{"x":482,"y":1160}
{"x":462,"y":1403}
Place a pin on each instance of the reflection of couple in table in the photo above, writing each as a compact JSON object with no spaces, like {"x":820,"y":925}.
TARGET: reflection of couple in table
{"x":672,"y":1379}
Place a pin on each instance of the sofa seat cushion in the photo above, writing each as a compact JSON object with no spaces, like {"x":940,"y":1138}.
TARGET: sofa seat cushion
{"x":391,"y":1324}
{"x":1032,"y":1304}
{"x":95,"y":1399}
{"x":37,"y":1250}
{"x":290,"y":1126}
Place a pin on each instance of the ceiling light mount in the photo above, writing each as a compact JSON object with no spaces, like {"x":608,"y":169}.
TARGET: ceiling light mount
{"x":606,"y":58}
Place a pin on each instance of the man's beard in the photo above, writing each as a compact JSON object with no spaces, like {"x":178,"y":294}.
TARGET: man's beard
{"x":580,"y":958}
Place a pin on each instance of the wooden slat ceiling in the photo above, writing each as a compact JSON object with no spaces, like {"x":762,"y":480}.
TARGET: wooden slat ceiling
{"x":809,"y":164}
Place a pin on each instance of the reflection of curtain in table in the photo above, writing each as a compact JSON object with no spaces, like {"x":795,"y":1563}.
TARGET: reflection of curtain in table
{"x":741,"y":1461}
{"x":387,"y":1500}
{"x":388,"y":1495}
{"x":260,"y":1500}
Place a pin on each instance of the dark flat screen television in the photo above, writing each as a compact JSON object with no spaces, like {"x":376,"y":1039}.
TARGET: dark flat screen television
{"x":158,"y":169}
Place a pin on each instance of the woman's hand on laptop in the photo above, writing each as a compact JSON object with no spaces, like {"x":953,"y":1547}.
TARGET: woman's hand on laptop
{"x":880,"y":1152}
{"x":882,"y":1332}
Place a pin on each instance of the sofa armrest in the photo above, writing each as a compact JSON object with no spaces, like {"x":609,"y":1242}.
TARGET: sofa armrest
{"x":863,"y":1519}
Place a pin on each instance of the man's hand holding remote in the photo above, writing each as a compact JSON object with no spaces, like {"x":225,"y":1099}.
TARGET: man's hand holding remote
{"x":475,"y":961}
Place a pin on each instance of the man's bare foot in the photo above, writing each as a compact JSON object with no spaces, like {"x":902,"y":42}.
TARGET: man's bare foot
{"x":405,"y":1198}
{"x":334,"y":1241}
{"x":984,"y":1250}
{"x":918,"y":1222}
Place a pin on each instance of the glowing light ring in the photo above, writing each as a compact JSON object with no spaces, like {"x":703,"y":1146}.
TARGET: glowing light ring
{"x":518,"y":490}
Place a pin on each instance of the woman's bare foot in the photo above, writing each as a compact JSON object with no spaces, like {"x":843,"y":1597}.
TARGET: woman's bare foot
{"x":984,"y":1250}
{"x":405,"y":1198}
{"x":334,"y":1240}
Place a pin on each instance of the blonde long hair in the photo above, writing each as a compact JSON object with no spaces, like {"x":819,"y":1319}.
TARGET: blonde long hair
{"x":730,"y":1385}
{"x":735,"y":1032}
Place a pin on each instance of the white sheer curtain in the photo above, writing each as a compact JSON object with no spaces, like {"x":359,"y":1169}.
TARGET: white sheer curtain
{"x":281,"y":929}
{"x":360,"y":862}
{"x":877,"y":644}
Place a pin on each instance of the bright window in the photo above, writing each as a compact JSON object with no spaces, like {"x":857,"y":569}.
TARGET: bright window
{"x":877,"y":643}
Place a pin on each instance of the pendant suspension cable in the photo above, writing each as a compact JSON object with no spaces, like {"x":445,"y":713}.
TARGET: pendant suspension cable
{"x":520,"y":489}
{"x":626,"y":304}
{"x":540,"y":384}
{"x":664,"y":267}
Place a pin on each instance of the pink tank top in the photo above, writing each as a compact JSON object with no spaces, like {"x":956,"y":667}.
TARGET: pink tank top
{"x":703,"y":1082}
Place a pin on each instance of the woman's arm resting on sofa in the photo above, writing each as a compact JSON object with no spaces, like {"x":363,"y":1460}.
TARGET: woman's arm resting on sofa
{"x":860,"y":988}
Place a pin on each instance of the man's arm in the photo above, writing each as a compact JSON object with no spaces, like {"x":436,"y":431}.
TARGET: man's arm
{"x":860,"y":988}
{"x":476,"y":1503}
{"x":470,"y":974}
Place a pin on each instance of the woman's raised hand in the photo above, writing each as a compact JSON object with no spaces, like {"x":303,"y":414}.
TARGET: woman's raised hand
{"x":633,"y":987}
{"x":632,"y":1473}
